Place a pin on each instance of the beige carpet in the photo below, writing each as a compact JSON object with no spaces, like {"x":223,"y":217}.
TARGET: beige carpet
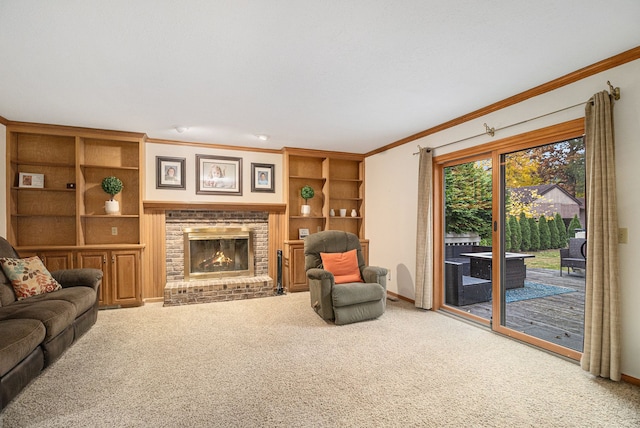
{"x":273,"y":362}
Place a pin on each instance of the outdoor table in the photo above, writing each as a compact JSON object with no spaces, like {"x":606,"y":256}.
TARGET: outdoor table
{"x":516,"y":270}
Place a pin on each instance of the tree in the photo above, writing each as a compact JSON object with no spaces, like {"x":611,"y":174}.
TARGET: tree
{"x":543,"y":229}
{"x":468,"y":199}
{"x":553,"y":233}
{"x":535,"y":234}
{"x":573,"y":225}
{"x":507,"y":236}
{"x":516,"y":235}
{"x":562,"y":231}
{"x":525,"y":232}
{"x":563,"y":164}
{"x":521,"y":169}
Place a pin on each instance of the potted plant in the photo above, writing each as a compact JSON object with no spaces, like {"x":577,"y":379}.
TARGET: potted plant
{"x":112,"y":185}
{"x":307,"y":193}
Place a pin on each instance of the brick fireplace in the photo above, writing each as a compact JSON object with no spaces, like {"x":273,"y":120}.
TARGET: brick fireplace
{"x":180,"y":290}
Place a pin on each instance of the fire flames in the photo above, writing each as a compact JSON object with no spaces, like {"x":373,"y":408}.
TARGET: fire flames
{"x":218,"y":259}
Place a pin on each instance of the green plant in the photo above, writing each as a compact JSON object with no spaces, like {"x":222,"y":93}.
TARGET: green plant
{"x":307,"y":193}
{"x":112,"y":185}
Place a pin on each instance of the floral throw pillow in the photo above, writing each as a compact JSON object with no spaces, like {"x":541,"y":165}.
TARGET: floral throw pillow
{"x":28,"y":276}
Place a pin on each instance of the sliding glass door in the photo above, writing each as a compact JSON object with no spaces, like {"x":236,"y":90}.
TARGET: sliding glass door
{"x":543,"y":216}
{"x":511,"y":225}
{"x":467,"y":225}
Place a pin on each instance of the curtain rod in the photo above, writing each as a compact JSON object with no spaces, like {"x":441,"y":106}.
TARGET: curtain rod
{"x":613,"y":92}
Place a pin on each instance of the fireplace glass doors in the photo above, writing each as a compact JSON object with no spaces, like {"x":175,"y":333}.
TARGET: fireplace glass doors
{"x":213,"y":252}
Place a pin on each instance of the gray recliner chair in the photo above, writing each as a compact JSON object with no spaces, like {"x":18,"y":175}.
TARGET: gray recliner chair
{"x":343,"y":303}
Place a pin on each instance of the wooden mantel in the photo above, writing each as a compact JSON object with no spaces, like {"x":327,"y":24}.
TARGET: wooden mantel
{"x":214,"y":206}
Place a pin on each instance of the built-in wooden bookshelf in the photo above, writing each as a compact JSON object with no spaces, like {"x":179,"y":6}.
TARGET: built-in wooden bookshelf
{"x":65,"y":220}
{"x":338,"y":183}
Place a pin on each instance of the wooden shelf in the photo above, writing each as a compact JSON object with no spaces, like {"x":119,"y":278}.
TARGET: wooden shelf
{"x":43,"y":163}
{"x":42,"y":189}
{"x":110,"y":216}
{"x":43,"y":215}
{"x":132,"y":168}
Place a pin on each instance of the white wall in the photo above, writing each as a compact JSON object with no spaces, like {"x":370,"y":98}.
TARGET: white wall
{"x":391,"y":189}
{"x":189,"y":194}
{"x":3,"y":178}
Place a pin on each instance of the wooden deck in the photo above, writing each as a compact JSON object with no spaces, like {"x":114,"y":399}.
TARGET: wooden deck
{"x":558,"y":319}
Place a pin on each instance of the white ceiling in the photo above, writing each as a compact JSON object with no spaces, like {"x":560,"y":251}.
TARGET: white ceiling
{"x":328,"y":74}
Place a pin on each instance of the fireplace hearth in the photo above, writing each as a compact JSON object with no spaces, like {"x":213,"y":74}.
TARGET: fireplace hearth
{"x":220,"y":271}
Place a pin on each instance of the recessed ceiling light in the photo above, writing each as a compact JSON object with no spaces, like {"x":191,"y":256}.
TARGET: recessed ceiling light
{"x":181,"y":129}
{"x":262,"y":137}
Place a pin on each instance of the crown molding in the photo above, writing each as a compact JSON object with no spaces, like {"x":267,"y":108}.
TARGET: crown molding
{"x":598,"y":67}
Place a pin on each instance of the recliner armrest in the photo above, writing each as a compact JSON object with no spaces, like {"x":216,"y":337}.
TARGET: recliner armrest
{"x":375,"y":274}
{"x":86,"y":277}
{"x":319,"y":274}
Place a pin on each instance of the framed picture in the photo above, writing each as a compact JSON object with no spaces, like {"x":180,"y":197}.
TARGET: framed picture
{"x":262,"y":177}
{"x":170,"y":173}
{"x":218,"y":175}
{"x":28,"y":179}
{"x":303,"y":233}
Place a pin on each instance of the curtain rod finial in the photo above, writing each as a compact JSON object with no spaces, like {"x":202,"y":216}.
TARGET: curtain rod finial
{"x":614,"y":91}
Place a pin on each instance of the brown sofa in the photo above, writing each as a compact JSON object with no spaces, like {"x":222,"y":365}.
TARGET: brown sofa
{"x":35,"y":331}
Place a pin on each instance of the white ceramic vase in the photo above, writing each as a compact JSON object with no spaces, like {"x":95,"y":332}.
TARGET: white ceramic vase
{"x":305,"y":210}
{"x":112,"y":207}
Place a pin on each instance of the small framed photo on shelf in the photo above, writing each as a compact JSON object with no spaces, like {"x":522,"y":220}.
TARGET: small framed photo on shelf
{"x":262,"y":179}
{"x":170,"y":173}
{"x":218,"y":175}
{"x":30,"y":180}
{"x":303,"y":233}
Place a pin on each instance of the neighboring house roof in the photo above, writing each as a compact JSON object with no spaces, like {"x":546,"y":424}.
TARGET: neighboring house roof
{"x":526,"y":193}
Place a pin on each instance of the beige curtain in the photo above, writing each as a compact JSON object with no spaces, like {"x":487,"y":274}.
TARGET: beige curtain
{"x":601,"y":355}
{"x":424,"y":238}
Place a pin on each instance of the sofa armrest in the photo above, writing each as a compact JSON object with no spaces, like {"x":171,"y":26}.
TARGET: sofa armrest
{"x":78,"y":277}
{"x":375,"y":274}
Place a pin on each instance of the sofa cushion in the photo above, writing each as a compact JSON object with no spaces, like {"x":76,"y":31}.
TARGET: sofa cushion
{"x":28,"y":276}
{"x":83,"y":298}
{"x":56,"y":315}
{"x":354,"y":293}
{"x":7,"y":295}
{"x":343,"y":266}
{"x":18,"y":338}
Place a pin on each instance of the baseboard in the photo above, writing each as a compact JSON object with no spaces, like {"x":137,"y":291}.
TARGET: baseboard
{"x":630,"y":379}
{"x":153,"y":300}
{"x":391,"y":295}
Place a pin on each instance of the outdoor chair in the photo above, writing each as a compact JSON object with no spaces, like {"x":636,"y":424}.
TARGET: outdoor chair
{"x":573,"y":256}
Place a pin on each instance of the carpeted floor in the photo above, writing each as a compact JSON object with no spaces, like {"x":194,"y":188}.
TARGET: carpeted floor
{"x":273,"y":362}
{"x":534,"y":290}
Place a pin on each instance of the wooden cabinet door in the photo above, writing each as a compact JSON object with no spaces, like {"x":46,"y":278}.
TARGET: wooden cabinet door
{"x":297,"y":273}
{"x":97,"y":260}
{"x":125,"y":277}
{"x":57,"y":260}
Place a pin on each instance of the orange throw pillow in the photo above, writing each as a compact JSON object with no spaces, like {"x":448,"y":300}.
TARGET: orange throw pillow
{"x":343,"y":266}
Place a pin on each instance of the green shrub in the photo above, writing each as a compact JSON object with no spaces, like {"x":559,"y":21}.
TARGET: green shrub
{"x":516,"y":235}
{"x":525,"y":232}
{"x":543,"y":229}
{"x":573,"y":225}
{"x":553,"y":233}
{"x":562,"y":231}
{"x":507,"y":236}
{"x":535,"y":234}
